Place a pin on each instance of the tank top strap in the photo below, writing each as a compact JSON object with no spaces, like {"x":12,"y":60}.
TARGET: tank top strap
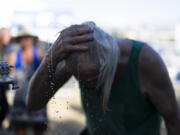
{"x":132,"y":68}
{"x":36,"y":59}
{"x":137,"y":45}
{"x":18,"y":63}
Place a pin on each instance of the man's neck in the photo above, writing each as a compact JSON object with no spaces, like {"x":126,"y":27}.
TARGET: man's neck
{"x":125,"y":46}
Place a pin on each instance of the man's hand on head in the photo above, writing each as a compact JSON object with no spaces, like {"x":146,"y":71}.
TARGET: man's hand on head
{"x":70,"y":40}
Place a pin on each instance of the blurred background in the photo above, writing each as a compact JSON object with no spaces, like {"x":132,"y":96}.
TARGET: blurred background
{"x":156,"y":22}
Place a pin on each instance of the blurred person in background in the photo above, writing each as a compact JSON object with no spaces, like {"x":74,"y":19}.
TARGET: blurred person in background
{"x":26,"y":60}
{"x":125,"y":86}
{"x":5,"y":38}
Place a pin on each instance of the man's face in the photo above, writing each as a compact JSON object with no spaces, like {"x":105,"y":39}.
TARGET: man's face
{"x":5,"y":37}
{"x":83,"y":67}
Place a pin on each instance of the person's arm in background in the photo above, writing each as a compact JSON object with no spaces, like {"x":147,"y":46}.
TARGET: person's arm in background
{"x":158,"y":88}
{"x":70,"y":40}
{"x":11,"y":59}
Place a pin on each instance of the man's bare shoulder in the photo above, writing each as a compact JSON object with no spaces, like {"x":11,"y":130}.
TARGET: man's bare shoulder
{"x":148,"y":57}
{"x":151,"y":66}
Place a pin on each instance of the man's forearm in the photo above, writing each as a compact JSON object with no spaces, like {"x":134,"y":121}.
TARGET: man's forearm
{"x":38,"y":87}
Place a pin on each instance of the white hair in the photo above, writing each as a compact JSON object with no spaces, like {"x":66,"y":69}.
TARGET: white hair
{"x":105,"y":48}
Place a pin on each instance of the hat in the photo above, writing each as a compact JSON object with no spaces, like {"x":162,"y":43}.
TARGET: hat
{"x":24,"y":32}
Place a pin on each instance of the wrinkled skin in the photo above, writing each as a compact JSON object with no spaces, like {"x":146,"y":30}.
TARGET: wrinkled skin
{"x":154,"y":81}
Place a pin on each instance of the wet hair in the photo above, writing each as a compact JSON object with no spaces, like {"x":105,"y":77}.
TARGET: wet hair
{"x":105,"y":48}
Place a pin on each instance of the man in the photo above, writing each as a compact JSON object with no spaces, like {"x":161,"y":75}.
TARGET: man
{"x":130,"y":103}
{"x":5,"y":37}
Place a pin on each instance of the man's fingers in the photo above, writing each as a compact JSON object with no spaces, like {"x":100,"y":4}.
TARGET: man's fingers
{"x":81,"y":39}
{"x":76,"y":30}
{"x":71,"y":48}
{"x":78,"y":39}
{"x":80,"y":31}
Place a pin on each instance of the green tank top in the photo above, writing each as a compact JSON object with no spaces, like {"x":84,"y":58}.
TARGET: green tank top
{"x":129,"y":113}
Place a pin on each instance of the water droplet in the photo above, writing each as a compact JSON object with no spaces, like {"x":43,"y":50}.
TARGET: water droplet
{"x":52,"y":84}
